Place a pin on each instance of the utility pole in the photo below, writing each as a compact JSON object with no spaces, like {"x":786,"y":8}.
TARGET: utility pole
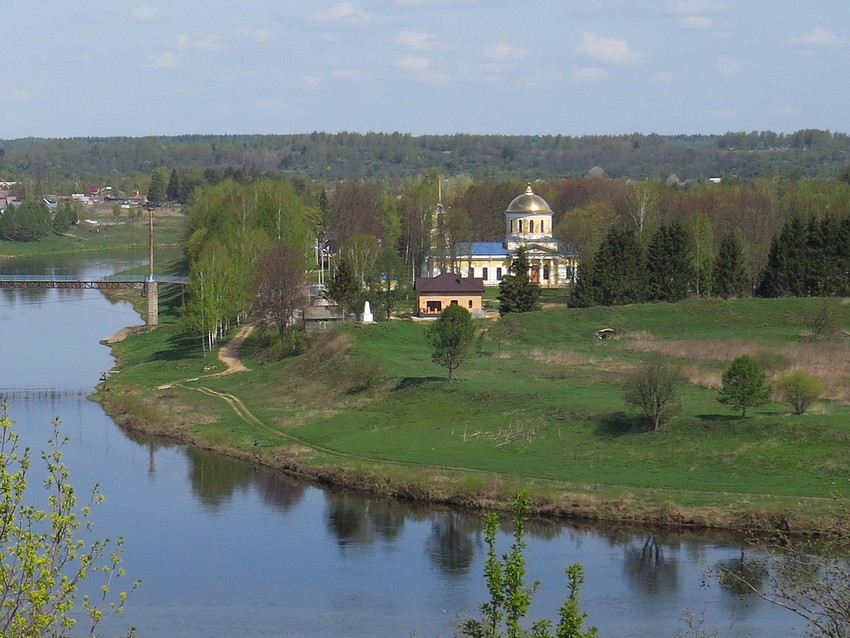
{"x":151,"y":287}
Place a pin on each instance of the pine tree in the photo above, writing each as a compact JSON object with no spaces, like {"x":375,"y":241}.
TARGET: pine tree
{"x":618,"y":275}
{"x":517,"y":293}
{"x":345,"y":288}
{"x":668,"y":263}
{"x":787,"y":262}
{"x":730,"y":275}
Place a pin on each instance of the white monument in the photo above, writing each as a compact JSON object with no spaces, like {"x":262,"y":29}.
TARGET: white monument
{"x":368,"y":317}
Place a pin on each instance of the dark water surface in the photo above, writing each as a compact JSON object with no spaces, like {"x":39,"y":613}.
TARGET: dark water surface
{"x":225,"y":549}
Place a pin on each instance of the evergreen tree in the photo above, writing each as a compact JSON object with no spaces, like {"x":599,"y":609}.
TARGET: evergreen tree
{"x":582,"y":294}
{"x":618,"y":275}
{"x":345,"y":289}
{"x":787,"y":263}
{"x":668,"y":263}
{"x":64,"y":217}
{"x":517,"y":293}
{"x":730,"y":274}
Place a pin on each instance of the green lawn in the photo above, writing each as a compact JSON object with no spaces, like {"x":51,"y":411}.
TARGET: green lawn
{"x":541,"y":404}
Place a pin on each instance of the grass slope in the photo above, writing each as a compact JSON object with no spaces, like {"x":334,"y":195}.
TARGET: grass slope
{"x":540,"y":408}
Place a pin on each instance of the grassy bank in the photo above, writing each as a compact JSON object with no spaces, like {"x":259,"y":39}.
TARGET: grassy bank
{"x":540,"y":409}
{"x":109,"y":233}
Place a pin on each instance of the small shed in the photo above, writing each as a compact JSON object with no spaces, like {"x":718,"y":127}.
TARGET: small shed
{"x":435,"y":294}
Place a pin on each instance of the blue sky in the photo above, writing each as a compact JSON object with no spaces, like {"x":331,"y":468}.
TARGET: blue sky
{"x":104,"y":68}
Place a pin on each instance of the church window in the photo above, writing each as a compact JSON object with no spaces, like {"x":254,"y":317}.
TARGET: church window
{"x":512,"y":227}
{"x":546,"y":272}
{"x":520,"y":225}
{"x":531,"y":226}
{"x":498,"y":274}
{"x":484,"y":273}
{"x":471,"y":272}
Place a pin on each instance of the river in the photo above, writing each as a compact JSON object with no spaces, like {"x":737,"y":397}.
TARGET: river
{"x":225,"y":549}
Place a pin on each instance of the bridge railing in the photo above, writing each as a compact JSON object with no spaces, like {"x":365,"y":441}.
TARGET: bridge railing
{"x":140,"y":279}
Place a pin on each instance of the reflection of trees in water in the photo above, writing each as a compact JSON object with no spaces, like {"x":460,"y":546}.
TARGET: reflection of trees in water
{"x":452,"y":542}
{"x":648,"y":569}
{"x":279,"y":491}
{"x":215,"y":479}
{"x":355,"y":520}
{"x":735,"y":573}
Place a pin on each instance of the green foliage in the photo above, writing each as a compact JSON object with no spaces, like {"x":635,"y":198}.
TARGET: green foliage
{"x":517,"y":293}
{"x":345,"y":288}
{"x":800,"y":389}
{"x":510,"y":596}
{"x":451,"y":337}
{"x":824,"y":320}
{"x":268,"y":346}
{"x":702,"y":254}
{"x":45,"y":559}
{"x":66,"y":216}
{"x":744,"y":385}
{"x":158,"y":185}
{"x":730,"y":272}
{"x":669,"y":263}
{"x":388,"y":282}
{"x":29,"y":221}
{"x":653,"y":389}
{"x":617,"y":275}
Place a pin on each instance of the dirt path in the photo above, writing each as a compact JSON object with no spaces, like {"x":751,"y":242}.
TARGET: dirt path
{"x":229,"y":354}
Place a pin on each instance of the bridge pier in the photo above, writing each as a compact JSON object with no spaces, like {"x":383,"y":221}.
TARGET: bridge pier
{"x":152,"y":299}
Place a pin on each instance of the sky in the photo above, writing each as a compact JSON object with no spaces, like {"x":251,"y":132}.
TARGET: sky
{"x":80,"y":68}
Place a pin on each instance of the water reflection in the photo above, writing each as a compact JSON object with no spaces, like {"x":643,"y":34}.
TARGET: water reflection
{"x":355,"y":521}
{"x":650,"y":568}
{"x":452,"y":543}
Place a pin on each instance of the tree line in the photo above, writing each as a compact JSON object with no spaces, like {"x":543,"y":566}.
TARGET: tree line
{"x":61,"y":163}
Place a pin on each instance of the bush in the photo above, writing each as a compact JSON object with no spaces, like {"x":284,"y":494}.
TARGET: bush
{"x":801,"y":389}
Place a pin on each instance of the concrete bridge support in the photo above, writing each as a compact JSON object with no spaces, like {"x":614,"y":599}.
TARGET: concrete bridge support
{"x":152,"y":299}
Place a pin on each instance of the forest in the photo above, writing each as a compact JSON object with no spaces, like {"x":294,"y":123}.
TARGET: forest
{"x":395,"y":156}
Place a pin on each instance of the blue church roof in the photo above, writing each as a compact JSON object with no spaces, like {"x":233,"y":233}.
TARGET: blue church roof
{"x":483,"y":249}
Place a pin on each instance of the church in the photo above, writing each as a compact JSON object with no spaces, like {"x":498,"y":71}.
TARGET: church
{"x":528,"y":224}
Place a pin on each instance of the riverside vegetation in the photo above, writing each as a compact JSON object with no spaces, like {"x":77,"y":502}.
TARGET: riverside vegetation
{"x":540,"y":410}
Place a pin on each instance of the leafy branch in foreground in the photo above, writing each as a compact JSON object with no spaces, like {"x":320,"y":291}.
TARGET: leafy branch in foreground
{"x":44,"y":558}
{"x":510,"y":597}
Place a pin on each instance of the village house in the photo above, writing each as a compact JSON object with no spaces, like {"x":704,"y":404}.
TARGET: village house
{"x":435,"y":294}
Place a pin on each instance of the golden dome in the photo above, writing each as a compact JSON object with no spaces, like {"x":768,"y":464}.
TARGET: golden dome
{"x":528,"y":202}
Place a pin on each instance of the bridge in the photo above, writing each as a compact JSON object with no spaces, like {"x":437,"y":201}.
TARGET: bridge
{"x":148,"y":283}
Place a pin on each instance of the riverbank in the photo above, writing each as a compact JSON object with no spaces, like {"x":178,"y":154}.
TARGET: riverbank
{"x":365,"y":409}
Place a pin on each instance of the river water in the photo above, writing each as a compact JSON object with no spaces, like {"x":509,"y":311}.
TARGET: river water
{"x":225,"y":549}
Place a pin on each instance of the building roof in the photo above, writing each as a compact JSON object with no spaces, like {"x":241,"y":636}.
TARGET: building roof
{"x":450,"y":282}
{"x":528,"y":202}
{"x":483,"y":249}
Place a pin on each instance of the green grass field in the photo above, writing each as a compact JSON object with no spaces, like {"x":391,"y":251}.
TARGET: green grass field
{"x":539,"y":408}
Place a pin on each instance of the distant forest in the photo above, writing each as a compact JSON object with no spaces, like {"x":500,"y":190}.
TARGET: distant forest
{"x":381,"y":157}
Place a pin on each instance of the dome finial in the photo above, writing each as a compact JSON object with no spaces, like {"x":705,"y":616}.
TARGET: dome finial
{"x":528,"y":190}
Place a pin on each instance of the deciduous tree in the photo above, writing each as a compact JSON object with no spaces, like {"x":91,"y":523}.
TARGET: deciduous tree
{"x":800,"y":389}
{"x":451,"y":337}
{"x":653,"y":389}
{"x":744,"y":385}
{"x":46,"y":554}
{"x":281,"y":285}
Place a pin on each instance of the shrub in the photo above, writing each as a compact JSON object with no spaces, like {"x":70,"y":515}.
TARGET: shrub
{"x":801,"y":389}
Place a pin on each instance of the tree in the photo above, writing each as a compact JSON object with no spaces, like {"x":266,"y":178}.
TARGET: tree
{"x":702,"y":254}
{"x":389,"y":281}
{"x":730,"y":271}
{"x":30,"y":221}
{"x":450,"y":337}
{"x":281,"y":285}
{"x":517,"y":293}
{"x":66,"y":216}
{"x":744,"y":385}
{"x":159,"y":185}
{"x":510,"y":596}
{"x":800,"y":389}
{"x":668,"y":263}
{"x":653,"y":388}
{"x":345,"y":289}
{"x":617,"y":274}
{"x":45,"y":558}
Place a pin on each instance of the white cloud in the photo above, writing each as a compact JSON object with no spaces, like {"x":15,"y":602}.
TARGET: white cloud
{"x":819,"y":37}
{"x":606,"y":49}
{"x":255,"y":35}
{"x":165,"y":60}
{"x":413,"y":64}
{"x":730,"y":67}
{"x":417,"y":41}
{"x":147,"y":14}
{"x":12,"y":94}
{"x":504,"y":51}
{"x":186,"y":43}
{"x":590,"y":73}
{"x":345,"y":12}
{"x":312,"y":82}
